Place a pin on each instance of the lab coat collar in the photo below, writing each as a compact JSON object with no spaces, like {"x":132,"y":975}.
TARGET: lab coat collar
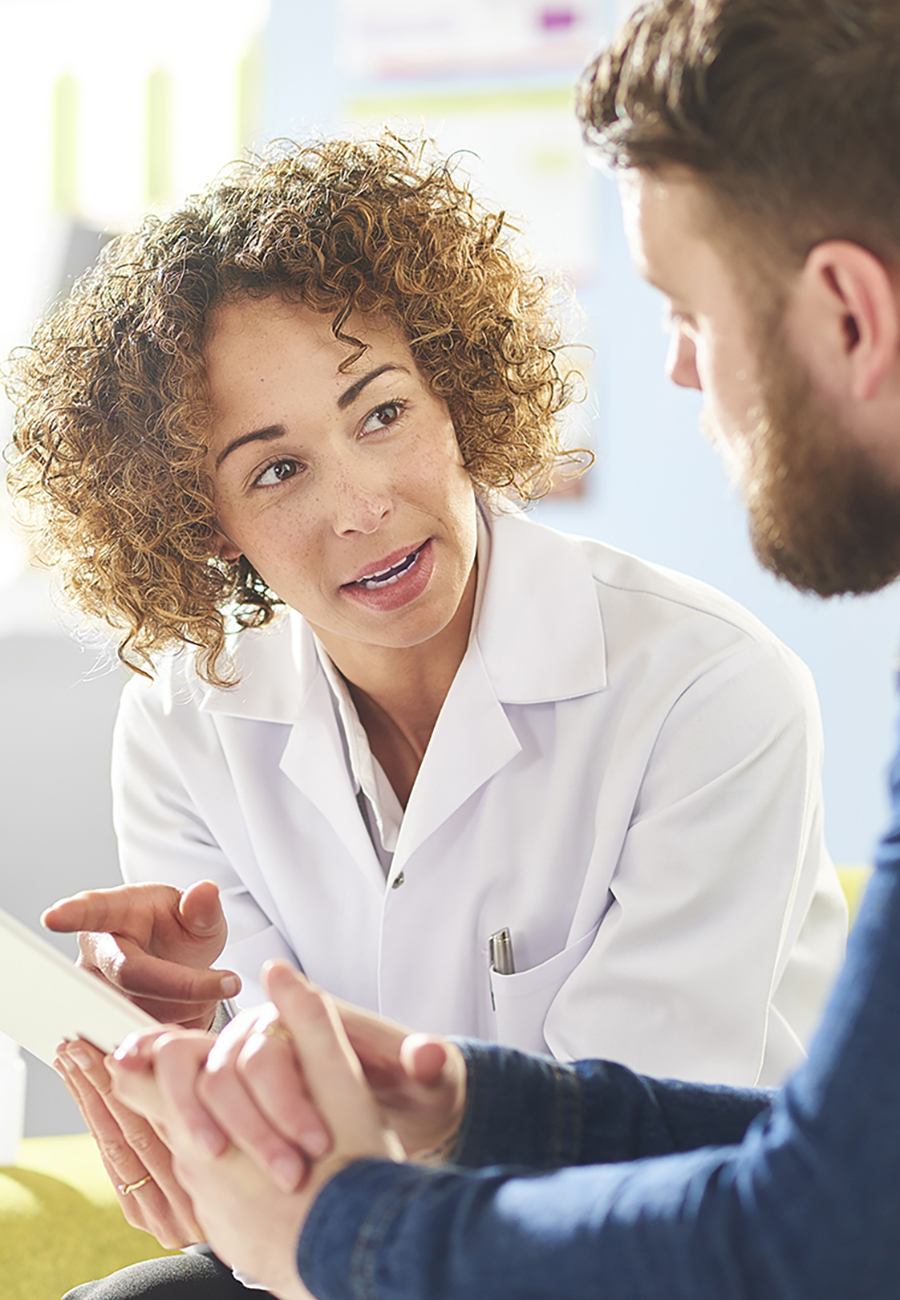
{"x":540,"y":629}
{"x":539,"y":633}
{"x":278,"y":667}
{"x":282,"y":681}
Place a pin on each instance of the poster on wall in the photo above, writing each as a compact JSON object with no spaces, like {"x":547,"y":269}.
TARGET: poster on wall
{"x":523,"y":152}
{"x":389,"y":39}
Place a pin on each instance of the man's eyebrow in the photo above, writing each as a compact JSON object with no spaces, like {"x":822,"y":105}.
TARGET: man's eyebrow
{"x":350,"y":394}
{"x":258,"y":435}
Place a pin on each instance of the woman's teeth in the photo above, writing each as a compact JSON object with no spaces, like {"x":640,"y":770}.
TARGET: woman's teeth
{"x":387,"y":576}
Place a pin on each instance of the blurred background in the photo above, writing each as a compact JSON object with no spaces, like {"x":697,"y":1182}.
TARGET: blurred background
{"x":111,"y":107}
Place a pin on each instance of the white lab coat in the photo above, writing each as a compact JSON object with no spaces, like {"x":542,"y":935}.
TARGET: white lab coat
{"x":625,"y":773}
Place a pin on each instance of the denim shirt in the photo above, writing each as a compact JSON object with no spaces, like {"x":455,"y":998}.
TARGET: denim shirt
{"x":590,"y":1181}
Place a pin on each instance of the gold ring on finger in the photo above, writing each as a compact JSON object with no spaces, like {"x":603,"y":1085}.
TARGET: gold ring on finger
{"x":127,"y":1188}
{"x":275,"y":1029}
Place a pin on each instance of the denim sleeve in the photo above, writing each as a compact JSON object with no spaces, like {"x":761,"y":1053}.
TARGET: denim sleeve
{"x":534,"y":1111}
{"x":805,"y":1207}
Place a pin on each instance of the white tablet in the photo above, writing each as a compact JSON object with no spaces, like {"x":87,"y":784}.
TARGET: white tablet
{"x":45,"y":1000}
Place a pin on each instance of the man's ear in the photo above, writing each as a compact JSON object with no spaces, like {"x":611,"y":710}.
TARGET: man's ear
{"x":224,"y":548}
{"x":844,"y":317}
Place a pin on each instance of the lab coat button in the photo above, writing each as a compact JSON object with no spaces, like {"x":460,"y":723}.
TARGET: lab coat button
{"x":398,"y":882}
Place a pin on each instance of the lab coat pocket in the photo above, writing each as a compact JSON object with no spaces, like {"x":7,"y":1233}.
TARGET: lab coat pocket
{"x":248,"y":956}
{"x":521,"y":1001}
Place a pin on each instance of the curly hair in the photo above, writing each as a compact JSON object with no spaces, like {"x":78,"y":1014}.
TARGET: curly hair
{"x":112,"y":408}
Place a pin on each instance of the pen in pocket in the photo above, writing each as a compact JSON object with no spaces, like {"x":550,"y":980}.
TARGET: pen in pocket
{"x":501,"y":953}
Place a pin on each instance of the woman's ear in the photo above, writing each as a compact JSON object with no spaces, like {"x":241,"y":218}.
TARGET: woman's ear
{"x":845,"y":320}
{"x":224,"y":548}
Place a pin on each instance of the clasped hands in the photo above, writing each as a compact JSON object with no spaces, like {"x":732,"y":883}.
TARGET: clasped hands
{"x":257,"y":1122}
{"x":230,"y":1139}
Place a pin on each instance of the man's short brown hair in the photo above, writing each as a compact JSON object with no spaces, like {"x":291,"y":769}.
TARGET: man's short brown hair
{"x":787,"y":110}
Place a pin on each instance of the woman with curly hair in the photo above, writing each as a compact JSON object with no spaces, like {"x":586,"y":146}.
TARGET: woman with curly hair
{"x":462,"y":769}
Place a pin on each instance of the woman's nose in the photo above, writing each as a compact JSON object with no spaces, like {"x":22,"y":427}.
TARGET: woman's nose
{"x":360,"y":506}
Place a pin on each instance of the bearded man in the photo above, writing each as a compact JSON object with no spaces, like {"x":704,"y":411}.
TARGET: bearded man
{"x":756,"y":143}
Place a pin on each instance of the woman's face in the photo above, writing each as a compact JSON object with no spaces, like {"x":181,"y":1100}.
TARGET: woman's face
{"x":345,"y":490}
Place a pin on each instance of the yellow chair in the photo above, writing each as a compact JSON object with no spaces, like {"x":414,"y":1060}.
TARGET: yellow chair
{"x":854,"y":879}
{"x":60,"y":1220}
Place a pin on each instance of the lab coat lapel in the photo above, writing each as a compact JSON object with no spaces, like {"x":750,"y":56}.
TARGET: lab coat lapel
{"x":284,"y":683}
{"x":539,"y":638}
{"x":315,"y":760}
{"x":471,"y":741}
{"x":315,"y":757}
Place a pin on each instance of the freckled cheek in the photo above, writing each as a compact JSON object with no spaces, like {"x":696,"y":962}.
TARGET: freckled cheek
{"x":281,"y":546}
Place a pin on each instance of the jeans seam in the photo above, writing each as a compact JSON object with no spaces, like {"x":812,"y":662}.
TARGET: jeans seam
{"x":567,"y":1116}
{"x":369,"y":1240}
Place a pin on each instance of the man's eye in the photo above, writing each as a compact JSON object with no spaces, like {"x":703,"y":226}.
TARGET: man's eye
{"x":278,"y":472}
{"x":676,"y":320}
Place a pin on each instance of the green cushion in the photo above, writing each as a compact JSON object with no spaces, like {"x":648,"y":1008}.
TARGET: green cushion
{"x":60,"y":1221}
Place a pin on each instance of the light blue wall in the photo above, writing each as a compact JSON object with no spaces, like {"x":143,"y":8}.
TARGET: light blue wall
{"x":658,"y":488}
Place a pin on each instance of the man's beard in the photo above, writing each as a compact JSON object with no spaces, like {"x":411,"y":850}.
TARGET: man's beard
{"x":822,"y":514}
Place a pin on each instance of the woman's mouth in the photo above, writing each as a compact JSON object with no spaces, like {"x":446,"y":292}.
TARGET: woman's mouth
{"x":398,"y":579}
{"x":372,"y":581}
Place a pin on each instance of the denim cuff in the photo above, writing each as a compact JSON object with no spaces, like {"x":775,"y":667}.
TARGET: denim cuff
{"x":339,"y":1249}
{"x":521,"y":1110}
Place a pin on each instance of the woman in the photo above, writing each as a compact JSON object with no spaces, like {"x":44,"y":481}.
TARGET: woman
{"x":317,"y":387}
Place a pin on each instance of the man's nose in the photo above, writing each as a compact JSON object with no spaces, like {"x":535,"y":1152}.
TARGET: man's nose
{"x":681,"y":361}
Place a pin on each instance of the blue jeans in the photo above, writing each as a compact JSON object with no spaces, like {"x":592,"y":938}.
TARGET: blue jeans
{"x":727,"y":1195}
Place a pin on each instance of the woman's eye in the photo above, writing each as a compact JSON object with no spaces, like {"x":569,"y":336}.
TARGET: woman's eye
{"x":278,"y":472}
{"x":383,"y":417}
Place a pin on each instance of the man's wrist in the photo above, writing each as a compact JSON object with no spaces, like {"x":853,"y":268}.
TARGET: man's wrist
{"x":347,"y":1222}
{"x":443,"y":1148}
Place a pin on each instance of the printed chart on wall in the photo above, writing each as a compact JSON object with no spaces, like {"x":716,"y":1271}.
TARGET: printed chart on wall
{"x":518,"y":139}
{"x":404,"y":38}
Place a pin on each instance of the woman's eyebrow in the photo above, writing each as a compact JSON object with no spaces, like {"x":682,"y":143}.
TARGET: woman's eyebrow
{"x":258,"y":435}
{"x":273,"y":431}
{"x":350,"y":394}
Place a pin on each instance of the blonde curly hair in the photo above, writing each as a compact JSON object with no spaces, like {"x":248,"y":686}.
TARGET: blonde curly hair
{"x":112,"y":409}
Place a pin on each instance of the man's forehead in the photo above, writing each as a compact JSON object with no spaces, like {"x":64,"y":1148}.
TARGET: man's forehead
{"x":666,"y":217}
{"x":658,"y":208}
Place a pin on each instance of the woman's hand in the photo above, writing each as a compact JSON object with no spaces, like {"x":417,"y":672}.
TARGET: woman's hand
{"x":250,"y":1223}
{"x":133,"y":1153}
{"x":155,"y":944}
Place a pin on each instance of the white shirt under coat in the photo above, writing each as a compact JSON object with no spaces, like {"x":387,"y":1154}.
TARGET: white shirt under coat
{"x":625,"y":772}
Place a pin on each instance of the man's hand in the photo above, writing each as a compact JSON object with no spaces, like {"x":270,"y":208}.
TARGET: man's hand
{"x":250,"y":1223}
{"x":418,"y":1080}
{"x":253,"y":1092}
{"x":155,"y":944}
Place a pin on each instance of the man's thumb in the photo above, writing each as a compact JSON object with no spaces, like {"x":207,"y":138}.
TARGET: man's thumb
{"x":424,"y":1058}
